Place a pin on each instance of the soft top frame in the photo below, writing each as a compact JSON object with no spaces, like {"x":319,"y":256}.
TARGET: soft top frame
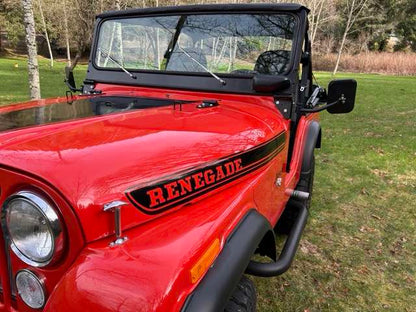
{"x":207,"y":8}
{"x":198,"y":81}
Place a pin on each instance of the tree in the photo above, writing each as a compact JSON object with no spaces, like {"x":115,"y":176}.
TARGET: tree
{"x":354,"y":8}
{"x":42,"y":16}
{"x":316,"y":7}
{"x":33,"y":67}
{"x":11,"y":14}
{"x":406,"y":28}
{"x":66,"y":31}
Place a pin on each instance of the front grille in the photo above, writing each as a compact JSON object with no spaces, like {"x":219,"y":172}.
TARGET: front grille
{"x":6,"y":292}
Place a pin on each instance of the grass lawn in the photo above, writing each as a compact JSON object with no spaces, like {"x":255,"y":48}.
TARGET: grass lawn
{"x":14,"y":86}
{"x":359,"y":248}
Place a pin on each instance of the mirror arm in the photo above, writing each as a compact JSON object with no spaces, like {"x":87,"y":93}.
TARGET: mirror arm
{"x":69,"y":73}
{"x":319,"y":109}
{"x":75,"y":62}
{"x":71,"y":87}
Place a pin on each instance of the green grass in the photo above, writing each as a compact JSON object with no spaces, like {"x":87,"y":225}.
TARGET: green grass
{"x":14,"y":86}
{"x":359,"y":248}
{"x":358,"y":252}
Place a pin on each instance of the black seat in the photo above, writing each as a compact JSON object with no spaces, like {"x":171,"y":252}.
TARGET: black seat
{"x":179,"y":61}
{"x":272,"y":62}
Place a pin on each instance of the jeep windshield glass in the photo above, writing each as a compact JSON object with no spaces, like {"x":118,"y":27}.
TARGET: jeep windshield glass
{"x":226,"y":43}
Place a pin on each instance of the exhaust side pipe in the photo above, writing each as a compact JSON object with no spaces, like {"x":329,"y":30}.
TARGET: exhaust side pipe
{"x":300,"y":195}
{"x":289,"y":249}
{"x":296,"y":194}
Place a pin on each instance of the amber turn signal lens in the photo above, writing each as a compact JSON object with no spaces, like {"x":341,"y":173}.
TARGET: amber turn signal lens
{"x":203,"y":264}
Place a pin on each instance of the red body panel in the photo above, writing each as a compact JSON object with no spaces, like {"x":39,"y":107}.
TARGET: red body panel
{"x":86,"y":163}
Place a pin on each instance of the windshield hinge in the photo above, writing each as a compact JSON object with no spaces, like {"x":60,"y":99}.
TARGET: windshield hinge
{"x":88,"y":87}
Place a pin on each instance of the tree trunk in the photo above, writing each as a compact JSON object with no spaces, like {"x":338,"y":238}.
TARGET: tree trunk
{"x":316,"y":21}
{"x":117,"y":4}
{"x":68,"y":51}
{"x":33,"y":67}
{"x":222,"y":52}
{"x":344,"y":37}
{"x":340,"y":52}
{"x":158,"y":42}
{"x":157,"y":64}
{"x":46,"y":32}
{"x":233,"y":51}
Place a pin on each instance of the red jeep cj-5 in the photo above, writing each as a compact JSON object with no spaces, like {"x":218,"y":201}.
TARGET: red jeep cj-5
{"x":189,"y":145}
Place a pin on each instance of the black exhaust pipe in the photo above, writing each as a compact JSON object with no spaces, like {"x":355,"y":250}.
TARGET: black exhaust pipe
{"x":289,"y":249}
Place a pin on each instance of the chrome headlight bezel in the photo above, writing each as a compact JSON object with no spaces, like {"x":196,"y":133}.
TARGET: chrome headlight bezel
{"x":45,"y":208}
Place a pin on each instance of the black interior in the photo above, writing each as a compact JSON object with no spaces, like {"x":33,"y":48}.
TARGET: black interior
{"x":273,"y":62}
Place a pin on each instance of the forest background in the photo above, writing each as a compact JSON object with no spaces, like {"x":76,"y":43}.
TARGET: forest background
{"x":368,"y":36}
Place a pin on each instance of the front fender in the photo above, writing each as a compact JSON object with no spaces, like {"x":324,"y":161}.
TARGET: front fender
{"x":308,"y":137}
{"x":151,"y":270}
{"x":215,"y":289}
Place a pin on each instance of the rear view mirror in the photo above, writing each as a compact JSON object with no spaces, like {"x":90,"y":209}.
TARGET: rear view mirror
{"x":342,"y":92}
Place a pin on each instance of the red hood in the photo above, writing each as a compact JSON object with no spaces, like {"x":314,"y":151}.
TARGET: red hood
{"x":93,"y":161}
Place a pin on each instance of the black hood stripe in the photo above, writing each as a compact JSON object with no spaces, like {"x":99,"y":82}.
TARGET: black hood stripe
{"x":182,"y":187}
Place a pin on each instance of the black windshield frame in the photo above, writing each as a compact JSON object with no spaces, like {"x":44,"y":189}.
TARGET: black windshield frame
{"x":184,"y":17}
{"x":202,"y":81}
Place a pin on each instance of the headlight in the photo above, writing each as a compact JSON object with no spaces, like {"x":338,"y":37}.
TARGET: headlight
{"x":34,"y":228}
{"x":30,"y":289}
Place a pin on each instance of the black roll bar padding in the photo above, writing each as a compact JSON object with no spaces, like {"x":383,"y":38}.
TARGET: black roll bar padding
{"x":289,"y":249}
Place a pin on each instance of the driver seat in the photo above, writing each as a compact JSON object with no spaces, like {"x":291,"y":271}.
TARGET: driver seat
{"x":272,"y":62}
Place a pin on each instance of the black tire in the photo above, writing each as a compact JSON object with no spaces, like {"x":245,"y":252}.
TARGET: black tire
{"x":244,"y":297}
{"x":289,"y":216}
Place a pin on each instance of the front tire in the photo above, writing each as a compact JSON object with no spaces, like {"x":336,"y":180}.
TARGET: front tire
{"x":244,"y":297}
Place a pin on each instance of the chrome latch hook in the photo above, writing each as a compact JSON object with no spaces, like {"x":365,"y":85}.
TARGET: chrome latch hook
{"x":115,"y":207}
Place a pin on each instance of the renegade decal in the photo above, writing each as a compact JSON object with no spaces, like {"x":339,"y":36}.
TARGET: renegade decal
{"x":182,"y":187}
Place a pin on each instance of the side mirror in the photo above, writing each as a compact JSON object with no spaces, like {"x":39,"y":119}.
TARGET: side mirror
{"x":270,"y":83}
{"x":69,"y":75}
{"x":342,"y":92}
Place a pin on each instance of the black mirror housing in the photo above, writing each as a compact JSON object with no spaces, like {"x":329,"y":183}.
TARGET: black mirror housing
{"x":342,"y":91}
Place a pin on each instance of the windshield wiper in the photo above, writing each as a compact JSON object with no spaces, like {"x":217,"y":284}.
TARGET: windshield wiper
{"x":175,"y":41}
{"x":204,"y":67}
{"x":107,"y":55}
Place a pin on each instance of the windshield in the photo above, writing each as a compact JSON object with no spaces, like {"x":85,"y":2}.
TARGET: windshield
{"x":226,"y":43}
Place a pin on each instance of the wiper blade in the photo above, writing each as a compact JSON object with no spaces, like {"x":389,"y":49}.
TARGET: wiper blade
{"x":202,"y":65}
{"x":107,"y":55}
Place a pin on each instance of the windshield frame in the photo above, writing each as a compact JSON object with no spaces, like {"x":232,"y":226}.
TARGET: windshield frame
{"x":197,"y":81}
